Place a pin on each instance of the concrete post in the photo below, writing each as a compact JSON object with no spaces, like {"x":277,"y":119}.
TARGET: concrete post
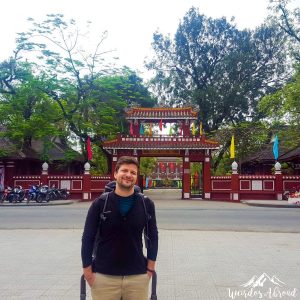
{"x":278,"y":181}
{"x":234,"y":195}
{"x":186,"y":176}
{"x":44,"y":175}
{"x":86,"y":183}
{"x":206,"y":176}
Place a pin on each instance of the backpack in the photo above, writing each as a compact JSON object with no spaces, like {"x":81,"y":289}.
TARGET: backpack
{"x":110,"y":187}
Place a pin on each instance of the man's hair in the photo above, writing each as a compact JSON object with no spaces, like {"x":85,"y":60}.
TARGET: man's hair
{"x":126,"y":160}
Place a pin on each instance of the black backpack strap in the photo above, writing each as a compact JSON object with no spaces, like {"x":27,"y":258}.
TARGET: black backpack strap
{"x":102,"y":218}
{"x":148,"y":218}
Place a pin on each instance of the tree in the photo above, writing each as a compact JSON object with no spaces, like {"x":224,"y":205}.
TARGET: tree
{"x":283,"y":107}
{"x":26,"y":112}
{"x":147,"y":165}
{"x":249,"y":137}
{"x":90,"y":92}
{"x":289,"y":21}
{"x":221,"y":70}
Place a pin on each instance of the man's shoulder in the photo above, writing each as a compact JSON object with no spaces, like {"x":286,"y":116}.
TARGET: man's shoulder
{"x":146,"y":199}
{"x":100,"y":200}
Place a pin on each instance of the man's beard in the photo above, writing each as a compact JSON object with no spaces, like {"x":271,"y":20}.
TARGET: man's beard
{"x":125,"y":187}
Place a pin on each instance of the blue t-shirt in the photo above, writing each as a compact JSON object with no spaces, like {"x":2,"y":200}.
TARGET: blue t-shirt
{"x":125,"y":204}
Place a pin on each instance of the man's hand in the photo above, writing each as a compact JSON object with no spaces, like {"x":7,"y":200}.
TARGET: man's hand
{"x":89,"y":275}
{"x":150,"y":267}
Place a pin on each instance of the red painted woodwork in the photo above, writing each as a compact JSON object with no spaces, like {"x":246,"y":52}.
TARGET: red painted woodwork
{"x":245,"y":185}
{"x":221,"y":185}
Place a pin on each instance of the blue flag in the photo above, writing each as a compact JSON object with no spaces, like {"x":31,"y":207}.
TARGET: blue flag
{"x":141,"y":129}
{"x":276,"y":147}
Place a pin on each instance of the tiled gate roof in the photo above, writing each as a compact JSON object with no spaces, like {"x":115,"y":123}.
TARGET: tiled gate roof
{"x":161,"y":113}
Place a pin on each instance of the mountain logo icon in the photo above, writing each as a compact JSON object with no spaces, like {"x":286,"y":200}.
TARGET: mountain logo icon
{"x":264,"y":278}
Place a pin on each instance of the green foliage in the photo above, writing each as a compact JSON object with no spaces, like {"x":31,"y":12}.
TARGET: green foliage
{"x":249,"y":137}
{"x":71,"y":93}
{"x":284,"y":104}
{"x":221,"y":70}
{"x":289,"y":21}
{"x":100,"y":164}
{"x":196,"y":168}
{"x":147,"y":165}
{"x":26,"y":112}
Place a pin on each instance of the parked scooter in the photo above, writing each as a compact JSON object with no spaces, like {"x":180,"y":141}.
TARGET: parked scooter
{"x":290,"y":193}
{"x":19,"y":193}
{"x":13,"y":195}
{"x":57,"y":194}
{"x":33,"y":193}
{"x":63,"y":194}
{"x":43,"y":194}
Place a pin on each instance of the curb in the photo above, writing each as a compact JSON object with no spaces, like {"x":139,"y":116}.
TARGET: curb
{"x":271,"y":205}
{"x":51,"y":203}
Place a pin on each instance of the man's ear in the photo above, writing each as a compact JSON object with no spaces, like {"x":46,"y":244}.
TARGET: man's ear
{"x":115,"y":173}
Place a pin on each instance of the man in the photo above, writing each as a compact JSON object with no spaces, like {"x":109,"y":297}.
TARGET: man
{"x":120,"y":269}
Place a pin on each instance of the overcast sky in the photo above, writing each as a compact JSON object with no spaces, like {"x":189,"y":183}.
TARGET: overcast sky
{"x":130,"y":23}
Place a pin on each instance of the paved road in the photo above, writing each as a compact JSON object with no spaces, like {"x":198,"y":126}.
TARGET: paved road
{"x":192,"y":264}
{"x":171,"y":214}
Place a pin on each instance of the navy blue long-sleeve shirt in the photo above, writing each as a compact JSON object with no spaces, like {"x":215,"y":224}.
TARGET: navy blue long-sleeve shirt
{"x":120,"y":247}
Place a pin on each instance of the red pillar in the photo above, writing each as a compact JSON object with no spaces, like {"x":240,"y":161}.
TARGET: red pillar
{"x":86,"y":183}
{"x":44,"y":175}
{"x":136,"y":127}
{"x":278,"y":181}
{"x":206,"y":176}
{"x":113,"y":164}
{"x":234,"y":194}
{"x":186,"y":128}
{"x":186,"y":177}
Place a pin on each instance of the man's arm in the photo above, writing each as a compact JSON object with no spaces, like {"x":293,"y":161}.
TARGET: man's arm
{"x":88,"y":240}
{"x":153,"y":237}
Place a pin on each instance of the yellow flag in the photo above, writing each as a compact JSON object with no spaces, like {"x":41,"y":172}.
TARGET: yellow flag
{"x":201,"y":128}
{"x":232,"y":148}
{"x":193,"y":129}
{"x":150,"y":129}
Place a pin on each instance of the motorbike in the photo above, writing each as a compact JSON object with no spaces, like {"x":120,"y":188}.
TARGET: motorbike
{"x":43,"y":194}
{"x":19,"y":193}
{"x":58,"y":194}
{"x":63,"y":194}
{"x":9,"y":195}
{"x":33,"y":193}
{"x":290,"y":193}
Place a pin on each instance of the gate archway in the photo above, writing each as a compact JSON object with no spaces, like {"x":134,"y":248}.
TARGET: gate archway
{"x":185,"y":143}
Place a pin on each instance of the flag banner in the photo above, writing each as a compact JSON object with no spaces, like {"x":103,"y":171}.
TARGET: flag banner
{"x":160,"y":125}
{"x":131,"y":128}
{"x":170,"y":131}
{"x":201,"y":129}
{"x":232,"y":148}
{"x":276,"y":148}
{"x":150,"y":129}
{"x":141,"y":129}
{"x":89,"y":149}
{"x":193,"y":129}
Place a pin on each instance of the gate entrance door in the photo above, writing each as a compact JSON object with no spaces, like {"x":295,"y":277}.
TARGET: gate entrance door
{"x":196,"y":180}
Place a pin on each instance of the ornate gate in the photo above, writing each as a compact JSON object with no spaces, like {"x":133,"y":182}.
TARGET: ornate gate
{"x":186,"y":142}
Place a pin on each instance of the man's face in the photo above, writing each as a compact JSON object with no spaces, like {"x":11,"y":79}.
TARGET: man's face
{"x":126,"y":176}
